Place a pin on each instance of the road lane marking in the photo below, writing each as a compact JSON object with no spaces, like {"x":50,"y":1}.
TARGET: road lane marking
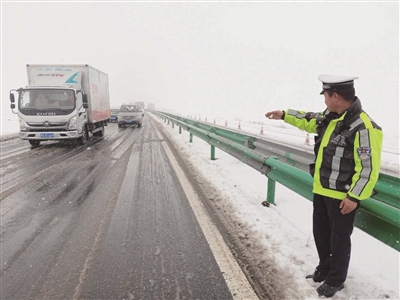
{"x":234,"y":277}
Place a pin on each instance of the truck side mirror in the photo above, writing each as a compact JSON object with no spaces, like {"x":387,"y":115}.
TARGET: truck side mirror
{"x":12,"y":99}
{"x":85,"y":101}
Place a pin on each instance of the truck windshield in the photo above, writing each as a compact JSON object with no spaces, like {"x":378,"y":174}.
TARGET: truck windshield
{"x":51,"y":102}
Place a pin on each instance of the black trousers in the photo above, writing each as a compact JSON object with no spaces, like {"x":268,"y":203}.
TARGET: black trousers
{"x":332,"y":231}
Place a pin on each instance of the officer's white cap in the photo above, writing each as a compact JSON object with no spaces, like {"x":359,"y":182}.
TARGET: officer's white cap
{"x":336,"y":82}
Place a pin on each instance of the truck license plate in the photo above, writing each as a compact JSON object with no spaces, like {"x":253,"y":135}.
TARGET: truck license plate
{"x":47,"y":135}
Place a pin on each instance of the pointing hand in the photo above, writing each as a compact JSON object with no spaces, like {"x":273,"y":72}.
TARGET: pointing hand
{"x":276,"y":114}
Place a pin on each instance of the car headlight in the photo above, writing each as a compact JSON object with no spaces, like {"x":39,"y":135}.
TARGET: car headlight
{"x":22,"y":124}
{"x":72,"y":123}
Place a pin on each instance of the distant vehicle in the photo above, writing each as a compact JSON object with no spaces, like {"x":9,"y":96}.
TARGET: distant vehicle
{"x":114,"y":115}
{"x":130,"y":114}
{"x":140,"y":103}
{"x":62,"y":102}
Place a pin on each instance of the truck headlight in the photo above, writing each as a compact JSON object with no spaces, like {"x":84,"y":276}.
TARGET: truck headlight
{"x":72,"y":123}
{"x":22,"y":125}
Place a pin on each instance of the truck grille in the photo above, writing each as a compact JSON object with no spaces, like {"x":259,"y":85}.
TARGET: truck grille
{"x":48,"y":125}
{"x":47,"y":129}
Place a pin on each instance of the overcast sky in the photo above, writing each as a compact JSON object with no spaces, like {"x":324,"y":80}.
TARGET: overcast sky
{"x":231,"y":59}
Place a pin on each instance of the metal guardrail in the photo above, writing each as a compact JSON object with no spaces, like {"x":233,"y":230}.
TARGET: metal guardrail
{"x":378,"y":216}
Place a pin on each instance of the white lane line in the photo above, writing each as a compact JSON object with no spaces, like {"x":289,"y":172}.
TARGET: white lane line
{"x":234,"y":277}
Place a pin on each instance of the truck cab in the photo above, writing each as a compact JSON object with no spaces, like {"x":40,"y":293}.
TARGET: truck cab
{"x":48,"y":113}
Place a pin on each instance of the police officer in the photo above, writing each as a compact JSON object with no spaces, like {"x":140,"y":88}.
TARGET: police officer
{"x":347,"y":151}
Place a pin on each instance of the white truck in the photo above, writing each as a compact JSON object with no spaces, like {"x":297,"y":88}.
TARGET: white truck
{"x":62,"y":102}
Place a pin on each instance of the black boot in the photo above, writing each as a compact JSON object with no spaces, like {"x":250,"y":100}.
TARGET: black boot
{"x":317,"y":276}
{"x":325,"y":290}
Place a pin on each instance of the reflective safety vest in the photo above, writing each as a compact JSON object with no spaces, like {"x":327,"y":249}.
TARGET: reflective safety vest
{"x":347,"y":151}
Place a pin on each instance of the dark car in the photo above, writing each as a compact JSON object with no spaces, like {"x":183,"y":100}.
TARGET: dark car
{"x":113,"y":115}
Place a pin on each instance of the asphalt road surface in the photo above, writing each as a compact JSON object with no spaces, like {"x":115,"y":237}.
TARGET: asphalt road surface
{"x":108,"y":220}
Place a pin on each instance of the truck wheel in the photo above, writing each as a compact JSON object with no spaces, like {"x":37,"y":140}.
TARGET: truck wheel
{"x":99,"y":133}
{"x":84,"y":138}
{"x":34,"y":143}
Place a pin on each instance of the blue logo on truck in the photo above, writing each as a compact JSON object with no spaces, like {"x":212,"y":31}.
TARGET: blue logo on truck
{"x":71,"y":79}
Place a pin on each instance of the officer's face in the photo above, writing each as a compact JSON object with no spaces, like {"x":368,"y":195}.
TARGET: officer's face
{"x":330,"y":101}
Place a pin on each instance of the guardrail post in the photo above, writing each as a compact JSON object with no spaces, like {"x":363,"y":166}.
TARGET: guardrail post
{"x":271,"y":191}
{"x":212,"y":152}
{"x":191,"y":138}
{"x":180,"y":129}
{"x":168,"y":122}
{"x":246,"y":142}
{"x":172,"y":124}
